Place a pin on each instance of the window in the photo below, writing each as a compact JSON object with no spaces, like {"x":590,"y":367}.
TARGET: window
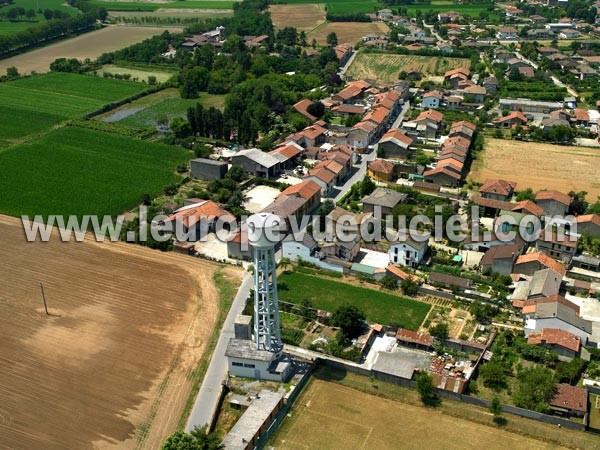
{"x":237,"y":364}
{"x":251,"y":366}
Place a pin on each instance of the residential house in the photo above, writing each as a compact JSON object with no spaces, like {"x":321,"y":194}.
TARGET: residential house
{"x":443,"y":176}
{"x":526,"y":72}
{"x":381,"y":201}
{"x":530,"y":263}
{"x":361,"y":135}
{"x":554,"y":203}
{"x":515,"y":118}
{"x":497,"y":189}
{"x":454,"y":102}
{"x":394,"y":143}
{"x":449,"y":17}
{"x":507,"y":33}
{"x":302,"y":107}
{"x":288,"y":154}
{"x":581,"y":117}
{"x":589,"y":224}
{"x":194,"y":221}
{"x":352,"y":92}
{"x":544,"y":283}
{"x":324,"y":177}
{"x":408,"y":252}
{"x":345,"y":110}
{"x":257,"y":163}
{"x":462,"y":129}
{"x":569,"y":401}
{"x":491,"y":84}
{"x":296,"y":201}
{"x":474,"y":94}
{"x":540,"y":33}
{"x":432,"y":99}
{"x":500,"y":259}
{"x":547,"y":51}
{"x":455,"y":76}
{"x":343,"y":52}
{"x":537,"y":19}
{"x":333,"y":166}
{"x":381,"y":170}
{"x":379,"y":116}
{"x":561,"y":246}
{"x":569,"y":34}
{"x":312,"y":136}
{"x":566,"y":345}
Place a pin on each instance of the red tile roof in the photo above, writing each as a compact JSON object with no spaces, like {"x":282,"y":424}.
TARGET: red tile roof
{"x":529,"y":207}
{"x":394,"y":133}
{"x":414,"y":337}
{"x":288,"y":150}
{"x":553,"y":195}
{"x":555,"y":336}
{"x":192,"y":214}
{"x":501,"y":187}
{"x":431,"y":114}
{"x":570,"y":397}
{"x":589,"y":218}
{"x":302,"y":107}
{"x":544,"y":260}
{"x":381,"y":166}
{"x":306,"y":189}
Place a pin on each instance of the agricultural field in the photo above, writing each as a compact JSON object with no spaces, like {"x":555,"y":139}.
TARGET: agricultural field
{"x":565,"y":168}
{"x":153,"y":5}
{"x":386,"y":67}
{"x":158,"y":107}
{"x":113,"y":364}
{"x":139,"y":75}
{"x":88,"y":45}
{"x":348,"y":31}
{"x":328,"y":295}
{"x":34,"y":104}
{"x":86,"y":172}
{"x":8,"y":27}
{"x":340,"y":6}
{"x":471,"y":9}
{"x":172,"y":13}
{"x":303,"y":17}
{"x":342,"y":410}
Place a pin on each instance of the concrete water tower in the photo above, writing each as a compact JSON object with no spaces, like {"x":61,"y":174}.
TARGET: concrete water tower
{"x":263,"y":235}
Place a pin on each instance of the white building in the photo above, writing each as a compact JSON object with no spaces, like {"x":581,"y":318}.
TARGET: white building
{"x":408,"y":252}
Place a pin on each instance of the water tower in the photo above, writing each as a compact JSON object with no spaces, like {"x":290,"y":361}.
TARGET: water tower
{"x":263,"y":235}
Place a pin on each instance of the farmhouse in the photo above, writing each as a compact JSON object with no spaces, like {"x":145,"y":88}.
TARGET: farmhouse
{"x":569,"y":400}
{"x":557,"y":245}
{"x":194,"y":221}
{"x":566,"y":344}
{"x":516,"y":118}
{"x":497,"y":189}
{"x":556,"y":314}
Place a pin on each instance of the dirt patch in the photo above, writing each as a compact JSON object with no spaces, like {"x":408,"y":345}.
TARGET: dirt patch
{"x":304,"y":17}
{"x":540,"y":166}
{"x":348,"y":31}
{"x":110,"y":368}
{"x":88,"y":45}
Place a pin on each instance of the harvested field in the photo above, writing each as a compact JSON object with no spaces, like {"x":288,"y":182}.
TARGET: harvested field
{"x":111,"y":366}
{"x":173,"y":13}
{"x":136,"y":74}
{"x":385,"y":67}
{"x":331,"y":416}
{"x":540,"y":166}
{"x":88,"y":45}
{"x":303,"y":17}
{"x":348,"y":31}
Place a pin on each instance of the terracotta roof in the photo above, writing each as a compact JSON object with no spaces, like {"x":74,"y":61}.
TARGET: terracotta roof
{"x":288,"y":150}
{"x":570,"y":397}
{"x":342,"y":49}
{"x":544,"y":260}
{"x":458,"y":140}
{"x":192,"y":214}
{"x":463,"y":123}
{"x":553,"y":237}
{"x":381,"y":166}
{"x":414,"y":337}
{"x":302,"y":107}
{"x":349,"y":109}
{"x":306,"y":189}
{"x":322,"y":174}
{"x":394,"y":133}
{"x":378,"y":115}
{"x":555,"y":336}
{"x":313,"y":131}
{"x":365,"y":126}
{"x":331,"y":164}
{"x":529,"y":207}
{"x":461,"y":70}
{"x":513,"y":115}
{"x":553,"y":195}
{"x":499,"y":252}
{"x":395,"y":270}
{"x":434,"y":94}
{"x":452,"y":162}
{"x":444,"y":170}
{"x":492,"y":203}
{"x":431,"y":114}
{"x":502,"y":187}
{"x":591,"y":218}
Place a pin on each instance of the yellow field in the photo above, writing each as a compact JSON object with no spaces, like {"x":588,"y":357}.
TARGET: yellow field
{"x":304,"y":17}
{"x":387,"y":67}
{"x":140,"y":75}
{"x":88,"y":45}
{"x":330,"y":416}
{"x":540,"y":166}
{"x":348,"y":31}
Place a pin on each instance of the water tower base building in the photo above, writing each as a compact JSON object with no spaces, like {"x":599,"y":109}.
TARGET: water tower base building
{"x":245,"y":360}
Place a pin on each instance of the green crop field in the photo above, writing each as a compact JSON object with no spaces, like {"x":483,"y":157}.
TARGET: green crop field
{"x":8,"y":27}
{"x":153,"y":6}
{"x":339,"y":6}
{"x":34,"y":104}
{"x":442,"y":6}
{"x":80,"y":171}
{"x":380,"y":307}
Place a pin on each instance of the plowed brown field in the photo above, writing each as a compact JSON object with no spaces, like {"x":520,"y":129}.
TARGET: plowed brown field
{"x":110,"y":367}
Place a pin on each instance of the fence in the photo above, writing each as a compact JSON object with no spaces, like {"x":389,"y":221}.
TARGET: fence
{"x":282,"y":413}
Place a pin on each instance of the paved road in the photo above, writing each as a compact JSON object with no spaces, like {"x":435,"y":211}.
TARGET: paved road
{"x":358,"y":176}
{"x":208,"y":396}
{"x":348,"y":63}
{"x":555,"y":80}
{"x":405,"y":109}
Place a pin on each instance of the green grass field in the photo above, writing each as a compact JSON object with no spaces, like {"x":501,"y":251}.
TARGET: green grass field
{"x":77,"y":171}
{"x":153,"y":6}
{"x":7,"y":27}
{"x":328,"y":295}
{"x":149,"y":110}
{"x":34,"y":104}
{"x":443,"y":6}
{"x":340,"y":6}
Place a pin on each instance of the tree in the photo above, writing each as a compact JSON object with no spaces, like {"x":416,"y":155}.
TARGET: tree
{"x":496,"y":407}
{"x":409,"y":286}
{"x":568,"y":372}
{"x":367,"y":186}
{"x":389,"y":282}
{"x":332,"y":39}
{"x":12,"y":72}
{"x":526,"y":194}
{"x":198,"y":439}
{"x":493,"y":375}
{"x":350,"y":320}
{"x":426,"y":389}
{"x":578,"y":203}
{"x":535,"y":389}
{"x":284,"y":264}
{"x":439,"y":330}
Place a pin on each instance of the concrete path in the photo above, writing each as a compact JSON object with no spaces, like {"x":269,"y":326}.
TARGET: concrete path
{"x":208,"y":396}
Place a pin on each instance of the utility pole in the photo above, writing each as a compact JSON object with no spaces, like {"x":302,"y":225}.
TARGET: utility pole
{"x":44,"y":298}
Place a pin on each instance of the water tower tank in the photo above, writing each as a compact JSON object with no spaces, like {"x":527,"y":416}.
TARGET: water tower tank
{"x":263,"y":230}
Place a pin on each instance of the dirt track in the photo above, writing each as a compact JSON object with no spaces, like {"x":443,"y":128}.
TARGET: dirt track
{"x":110,"y":368}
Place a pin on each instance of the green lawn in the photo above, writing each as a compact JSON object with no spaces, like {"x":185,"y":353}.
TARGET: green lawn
{"x":153,"y":6}
{"x":77,"y":171}
{"x":328,"y":295}
{"x":167,"y":104}
{"x":7,"y":27}
{"x":34,"y":104}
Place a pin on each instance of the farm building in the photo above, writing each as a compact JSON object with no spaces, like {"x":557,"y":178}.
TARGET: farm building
{"x":207,"y":169}
{"x":394,"y":143}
